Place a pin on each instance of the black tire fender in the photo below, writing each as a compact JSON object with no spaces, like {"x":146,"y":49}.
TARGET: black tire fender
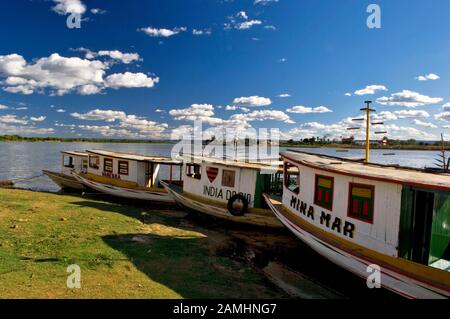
{"x":237,"y":212}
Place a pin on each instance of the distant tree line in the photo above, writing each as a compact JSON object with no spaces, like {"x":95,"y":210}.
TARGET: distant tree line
{"x":18,"y":138}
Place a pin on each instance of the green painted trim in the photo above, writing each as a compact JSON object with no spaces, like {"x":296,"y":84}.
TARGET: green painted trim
{"x":262,"y":184}
{"x":404,"y":247}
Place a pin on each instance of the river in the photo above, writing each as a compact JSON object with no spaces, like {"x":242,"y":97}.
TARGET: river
{"x":24,"y":160}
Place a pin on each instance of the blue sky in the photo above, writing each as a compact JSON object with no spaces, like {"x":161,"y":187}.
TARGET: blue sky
{"x":146,"y":69}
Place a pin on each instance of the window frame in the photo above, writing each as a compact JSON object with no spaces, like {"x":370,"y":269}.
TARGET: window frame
{"x":97,"y":165}
{"x":70,"y":164}
{"x":190,"y":174}
{"x":286,"y":179}
{"x":112,"y":165}
{"x":349,"y":205}
{"x":316,"y":202}
{"x":128,"y":168}
{"x":234,"y":177}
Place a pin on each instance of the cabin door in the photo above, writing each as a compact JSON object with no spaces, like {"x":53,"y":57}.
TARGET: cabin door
{"x":149,"y":175}
{"x":423,"y":218}
{"x":416,"y":224}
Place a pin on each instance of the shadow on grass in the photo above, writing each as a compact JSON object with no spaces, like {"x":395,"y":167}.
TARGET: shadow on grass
{"x":139,"y":212}
{"x":187,"y":267}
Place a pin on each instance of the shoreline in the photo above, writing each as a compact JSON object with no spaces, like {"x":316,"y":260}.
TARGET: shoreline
{"x":284,"y":145}
{"x":357,"y":147}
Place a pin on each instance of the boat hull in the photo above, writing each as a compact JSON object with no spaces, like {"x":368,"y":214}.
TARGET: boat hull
{"x":251,"y":218}
{"x":146,"y":195}
{"x":392,"y":277}
{"x":66,"y":182}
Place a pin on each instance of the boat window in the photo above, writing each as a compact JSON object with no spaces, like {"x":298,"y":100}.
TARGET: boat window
{"x":228,"y":178}
{"x":123,"y":167}
{"x":194,"y":171}
{"x":323,"y":195}
{"x":361,"y":202}
{"x":68,"y":162}
{"x":108,"y":165}
{"x":292,"y":177}
{"x":94,"y":162}
{"x":84,"y":165}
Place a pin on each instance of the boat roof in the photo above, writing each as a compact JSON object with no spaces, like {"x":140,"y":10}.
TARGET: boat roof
{"x":75,"y":153}
{"x":269,"y":165}
{"x":135,"y":157}
{"x":387,"y":173}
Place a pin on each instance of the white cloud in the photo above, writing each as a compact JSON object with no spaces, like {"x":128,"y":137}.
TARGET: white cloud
{"x":283,"y":95}
{"x":130,"y":80}
{"x":61,"y":75}
{"x":128,"y":125}
{"x":201,"y":32}
{"x":264,"y":2}
{"x":38,"y":118}
{"x":270,"y":27}
{"x":299,"y":109}
{"x":444,"y":116}
{"x":348,"y":94}
{"x":446,"y":106}
{"x":408,"y":99}
{"x":231,"y":108}
{"x":89,"y":89}
{"x":55,"y":72}
{"x":411,"y":113}
{"x":24,"y":130}
{"x":242,"y":15}
{"x":339,"y":130}
{"x":61,"y":111}
{"x":100,"y":115}
{"x":252,"y":101}
{"x":384,"y":116}
{"x":64,"y":7}
{"x":247,"y":24}
{"x":241,"y":21}
{"x":126,"y":58}
{"x":12,"y":119}
{"x":431,"y":77}
{"x":425,"y":124}
{"x":371,"y":89}
{"x":97,"y":11}
{"x":263,"y":115}
{"x":3,"y":107}
{"x":196,"y":112}
{"x":165,"y":33}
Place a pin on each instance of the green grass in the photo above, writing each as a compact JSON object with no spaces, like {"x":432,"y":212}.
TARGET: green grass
{"x":120,"y":255}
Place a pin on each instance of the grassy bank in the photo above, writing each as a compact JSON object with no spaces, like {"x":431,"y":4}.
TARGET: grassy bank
{"x":123,"y":252}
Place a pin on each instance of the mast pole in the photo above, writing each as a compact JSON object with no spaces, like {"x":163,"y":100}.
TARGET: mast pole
{"x":368,"y":131}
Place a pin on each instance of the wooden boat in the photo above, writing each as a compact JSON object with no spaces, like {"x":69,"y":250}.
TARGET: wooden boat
{"x":228,"y":190}
{"x":71,"y":161}
{"x":127,"y":175}
{"x":358,"y":214}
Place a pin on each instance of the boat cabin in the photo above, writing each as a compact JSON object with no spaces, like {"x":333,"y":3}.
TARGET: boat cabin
{"x":130,"y":170}
{"x":219,"y":180}
{"x":395,"y":211}
{"x":74,"y":161}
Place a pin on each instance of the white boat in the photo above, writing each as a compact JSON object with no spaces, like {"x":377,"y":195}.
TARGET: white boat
{"x":358,"y":215}
{"x":229,"y":190}
{"x":128,"y":175}
{"x":71,"y":162}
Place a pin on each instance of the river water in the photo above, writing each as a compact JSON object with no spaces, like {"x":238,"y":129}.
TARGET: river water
{"x":24,"y":160}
